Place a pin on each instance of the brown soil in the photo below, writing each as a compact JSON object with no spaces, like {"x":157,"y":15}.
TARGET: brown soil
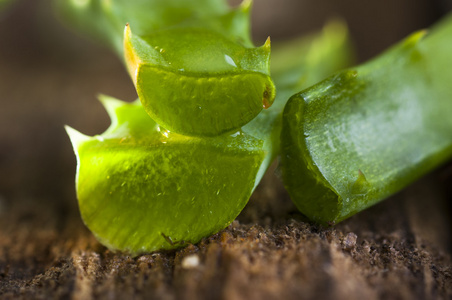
{"x":399,"y":249}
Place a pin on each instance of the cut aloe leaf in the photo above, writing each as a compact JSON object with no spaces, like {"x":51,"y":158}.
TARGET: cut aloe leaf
{"x":141,"y":188}
{"x":192,"y":62}
{"x":217,"y":85}
{"x":363,"y":134}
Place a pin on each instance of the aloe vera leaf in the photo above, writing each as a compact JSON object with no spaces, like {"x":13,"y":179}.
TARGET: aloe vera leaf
{"x":217,"y":85}
{"x":192,"y":62}
{"x":365,"y":133}
{"x":141,"y":188}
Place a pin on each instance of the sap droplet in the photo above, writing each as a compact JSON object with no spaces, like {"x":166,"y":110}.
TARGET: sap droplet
{"x":164,"y":132}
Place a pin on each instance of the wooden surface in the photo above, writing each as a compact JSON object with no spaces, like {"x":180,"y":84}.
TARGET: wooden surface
{"x":399,"y":249}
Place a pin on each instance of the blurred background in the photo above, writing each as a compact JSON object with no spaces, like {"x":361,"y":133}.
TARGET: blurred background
{"x":50,"y":76}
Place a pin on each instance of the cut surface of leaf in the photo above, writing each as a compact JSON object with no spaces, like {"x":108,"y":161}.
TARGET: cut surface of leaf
{"x":363,"y":134}
{"x":142,"y":188}
{"x":209,"y":84}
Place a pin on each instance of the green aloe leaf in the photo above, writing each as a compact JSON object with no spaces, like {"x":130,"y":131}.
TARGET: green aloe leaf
{"x":217,"y":85}
{"x":142,"y":188}
{"x":192,"y":62}
{"x":363,"y":134}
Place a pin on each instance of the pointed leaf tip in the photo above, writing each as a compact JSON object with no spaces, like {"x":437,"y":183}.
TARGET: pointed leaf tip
{"x":77,"y":138}
{"x":361,"y":185}
{"x":127,"y":32}
{"x":110,"y":104}
{"x":267,"y":44}
{"x":414,"y":38}
{"x":130,"y":57}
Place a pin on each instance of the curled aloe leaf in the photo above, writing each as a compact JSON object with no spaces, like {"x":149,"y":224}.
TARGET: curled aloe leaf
{"x":192,"y":62}
{"x":365,"y":133}
{"x":142,"y":188}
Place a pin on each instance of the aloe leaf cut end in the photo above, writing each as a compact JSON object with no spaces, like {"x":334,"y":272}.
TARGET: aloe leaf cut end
{"x":140,"y":192}
{"x":363,"y":134}
{"x":197,"y":82}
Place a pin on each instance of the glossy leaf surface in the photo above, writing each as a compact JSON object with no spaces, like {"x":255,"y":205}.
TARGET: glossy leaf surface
{"x":142,"y":188}
{"x":365,"y":133}
{"x":216,"y":85}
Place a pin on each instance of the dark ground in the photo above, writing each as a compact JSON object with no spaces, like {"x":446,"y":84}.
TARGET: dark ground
{"x":399,"y":249}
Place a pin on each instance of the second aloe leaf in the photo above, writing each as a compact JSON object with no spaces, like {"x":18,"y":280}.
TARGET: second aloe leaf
{"x":365,"y":133}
